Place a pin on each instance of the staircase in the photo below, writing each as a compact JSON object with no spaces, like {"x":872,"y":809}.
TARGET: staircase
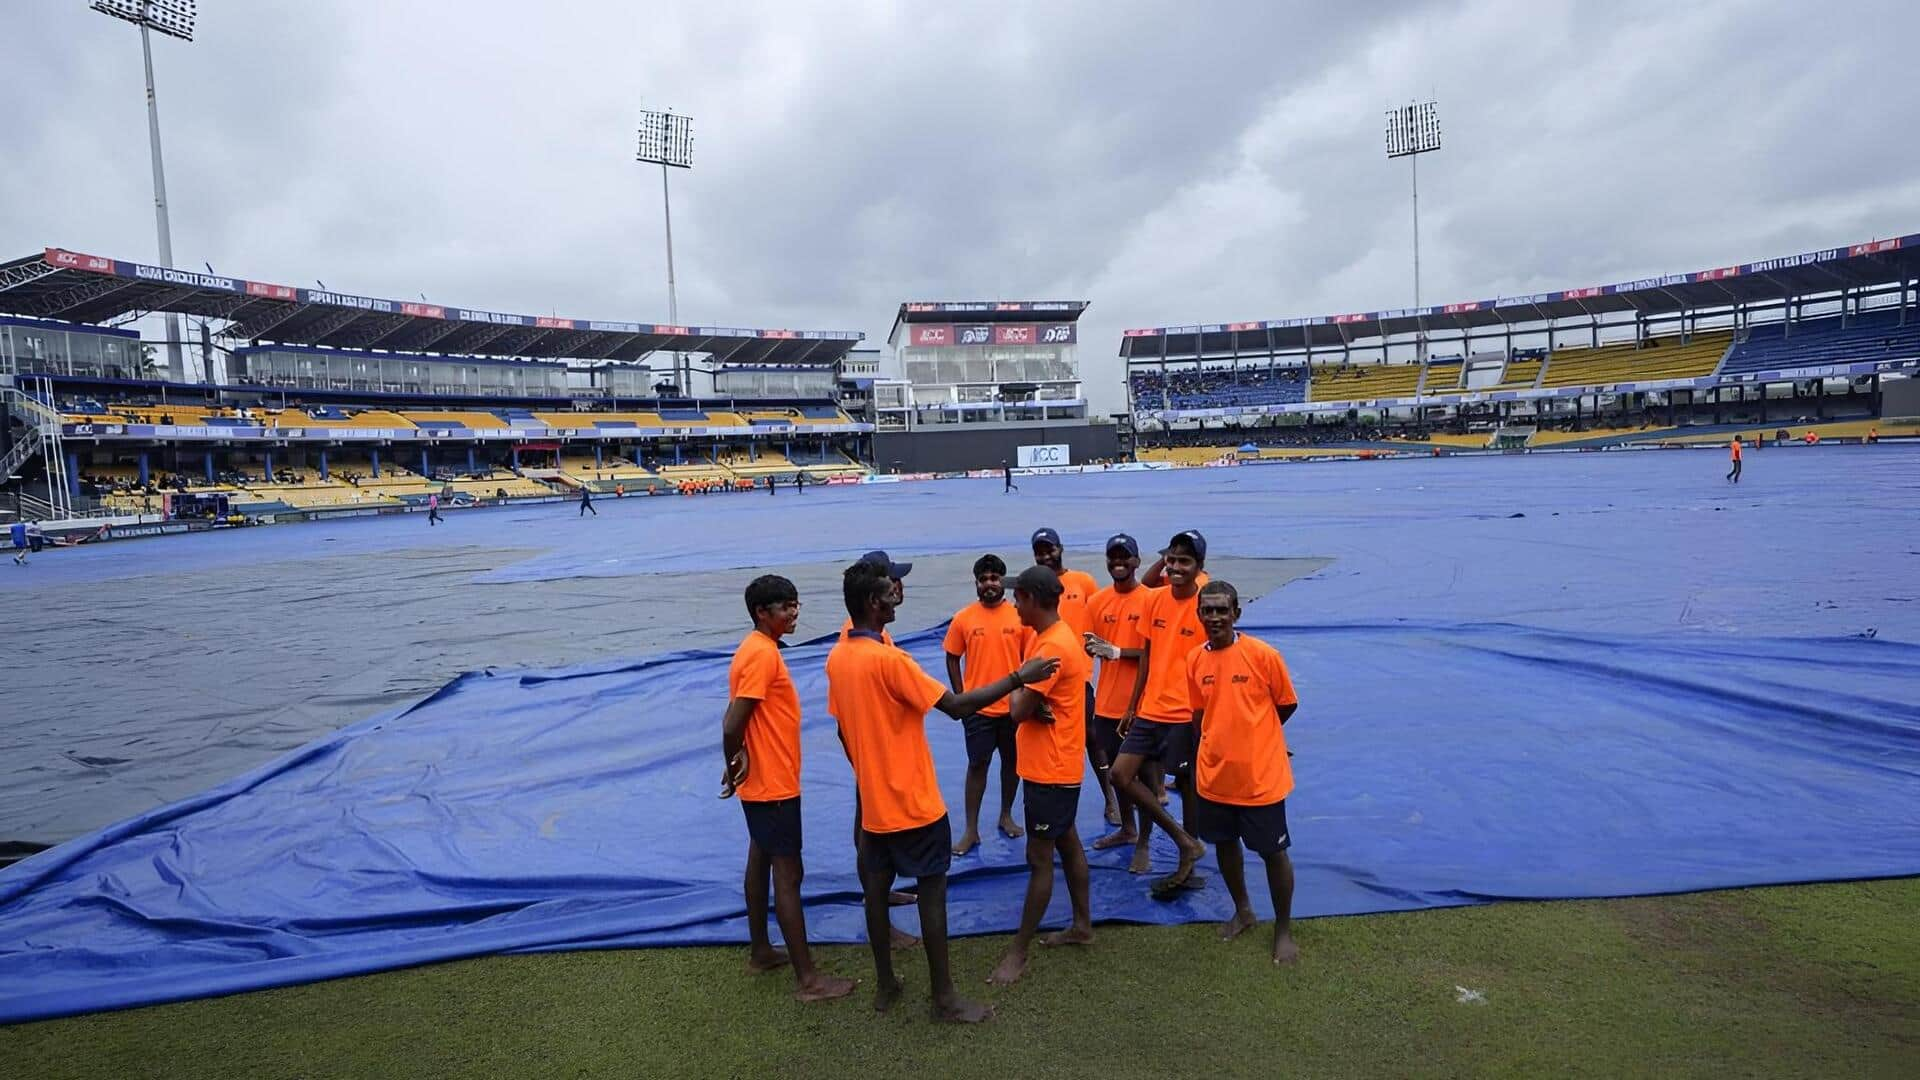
{"x":42,"y":437}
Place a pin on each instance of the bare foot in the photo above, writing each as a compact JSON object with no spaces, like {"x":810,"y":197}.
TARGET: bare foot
{"x":1284,"y":950}
{"x":900,"y":939}
{"x":1142,"y":860}
{"x":823,"y":987}
{"x":1009,"y":969}
{"x":772,"y":960}
{"x":897,"y":898}
{"x":1115,"y":839}
{"x":955,"y":1009}
{"x":1241,"y":922}
{"x":886,"y":994}
{"x":1072,"y":935}
{"x":1010,"y":828}
{"x":967,"y":842}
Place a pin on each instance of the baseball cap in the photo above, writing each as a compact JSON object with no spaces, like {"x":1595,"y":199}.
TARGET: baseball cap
{"x":1193,"y":540}
{"x":1045,"y":536}
{"x":1038,"y":581}
{"x":1122,"y":540}
{"x":895,"y":570}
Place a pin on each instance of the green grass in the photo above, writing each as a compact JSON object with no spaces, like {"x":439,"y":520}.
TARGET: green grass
{"x":1809,"y":980}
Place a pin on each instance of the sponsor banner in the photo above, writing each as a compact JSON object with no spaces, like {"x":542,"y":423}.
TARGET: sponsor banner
{"x":423,"y":311}
{"x":334,"y":299}
{"x":836,"y":481}
{"x":492,"y":318}
{"x":272,"y":292}
{"x":1038,"y":456}
{"x":930,"y":334}
{"x":973,"y":334}
{"x":1720,"y":274}
{"x":1876,"y":247}
{"x":1141,"y":333}
{"x":1236,"y":327}
{"x":1059,"y":333}
{"x":780,"y":335}
{"x":187,"y":278}
{"x":1015,"y":334}
{"x":550,"y":322}
{"x":73,"y":260}
{"x":950,"y":306}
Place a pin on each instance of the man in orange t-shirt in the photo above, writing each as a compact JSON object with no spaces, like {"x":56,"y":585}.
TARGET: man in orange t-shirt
{"x":760,"y":742}
{"x":896,"y":572}
{"x":1242,"y":695}
{"x":984,"y":642}
{"x":879,"y":697}
{"x":1053,"y":750}
{"x":1115,"y":639}
{"x":1158,"y":723}
{"x":1733,"y":453}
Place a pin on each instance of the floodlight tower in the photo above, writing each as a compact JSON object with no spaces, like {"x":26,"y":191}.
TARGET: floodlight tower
{"x":666,"y":139}
{"x":1413,"y":130}
{"x":174,"y":18}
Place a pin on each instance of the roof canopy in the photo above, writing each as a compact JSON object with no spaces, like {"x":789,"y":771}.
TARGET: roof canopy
{"x":61,"y":284}
{"x":1879,"y":262}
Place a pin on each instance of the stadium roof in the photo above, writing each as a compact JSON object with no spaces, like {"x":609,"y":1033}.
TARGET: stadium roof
{"x":61,"y":284}
{"x":1878,"y":262}
{"x":986,"y":311}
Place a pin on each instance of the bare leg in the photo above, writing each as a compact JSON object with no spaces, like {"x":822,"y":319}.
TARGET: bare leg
{"x":811,"y":984}
{"x":1233,"y":869}
{"x":976,"y":791}
{"x":873,"y":886}
{"x":1126,"y":777}
{"x":1100,"y":767}
{"x":1013,"y":963}
{"x":1009,"y":783}
{"x":948,"y":1005}
{"x":1073,"y":860}
{"x":761,"y":955}
{"x":1280,"y":884}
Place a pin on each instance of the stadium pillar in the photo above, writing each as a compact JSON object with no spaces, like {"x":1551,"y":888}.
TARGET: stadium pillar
{"x":209,"y":458}
{"x":470,"y":462}
{"x":144,"y":473}
{"x":676,"y":454}
{"x":73,"y":476}
{"x":324,"y":475}
{"x":269,"y":466}
{"x":425,"y":469}
{"x":789,"y":449}
{"x":376,"y":463}
{"x":596,"y":455}
{"x":516,"y":459}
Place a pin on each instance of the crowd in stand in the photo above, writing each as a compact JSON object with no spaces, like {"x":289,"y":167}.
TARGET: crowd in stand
{"x":1289,"y":435}
{"x":1211,"y":388}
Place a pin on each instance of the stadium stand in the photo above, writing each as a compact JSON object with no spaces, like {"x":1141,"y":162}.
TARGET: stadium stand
{"x":1628,"y":361}
{"x":1443,"y":376}
{"x":1874,"y":335}
{"x":1519,"y":375}
{"x":1363,"y":382}
{"x":1215,"y":388}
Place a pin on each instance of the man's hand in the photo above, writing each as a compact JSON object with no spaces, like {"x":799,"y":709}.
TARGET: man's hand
{"x":1125,"y":725}
{"x":1040,"y":667}
{"x":735,"y":774}
{"x":1101,"y":648}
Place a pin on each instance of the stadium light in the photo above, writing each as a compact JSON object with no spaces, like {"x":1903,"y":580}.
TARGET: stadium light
{"x":174,"y":18}
{"x":1413,"y":130}
{"x":666,"y":139}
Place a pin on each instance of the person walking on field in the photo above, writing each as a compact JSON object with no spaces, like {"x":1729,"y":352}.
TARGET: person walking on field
{"x":1733,"y":474}
{"x":586,"y":502}
{"x":433,"y":509}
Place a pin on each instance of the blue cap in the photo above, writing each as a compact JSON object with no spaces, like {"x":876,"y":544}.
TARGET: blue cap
{"x":1122,"y":540}
{"x":1193,"y":539}
{"x":895,"y":570}
{"x":1045,"y":536}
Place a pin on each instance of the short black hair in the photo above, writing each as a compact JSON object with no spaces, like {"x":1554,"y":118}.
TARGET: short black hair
{"x":989,"y":564}
{"x":1185,"y":546}
{"x":1216,"y":587}
{"x":769,"y":590}
{"x":861,"y":583}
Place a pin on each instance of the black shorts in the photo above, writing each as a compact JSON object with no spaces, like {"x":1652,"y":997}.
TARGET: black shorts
{"x":1169,"y":744}
{"x":916,"y":853}
{"x":1051,"y":808}
{"x":1104,"y":737}
{"x":1262,"y":828}
{"x":774,"y":826}
{"x":984,"y":734}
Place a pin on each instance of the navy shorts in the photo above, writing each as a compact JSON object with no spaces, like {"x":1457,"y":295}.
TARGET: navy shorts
{"x":1104,"y":737}
{"x":926,"y":851}
{"x":774,"y":826}
{"x":1262,"y":828}
{"x":984,"y":734}
{"x":1169,"y":744}
{"x":1051,"y":808}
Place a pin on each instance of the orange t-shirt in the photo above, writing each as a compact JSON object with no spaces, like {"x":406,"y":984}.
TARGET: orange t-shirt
{"x":847,"y":628}
{"x":1076,"y":588}
{"x":773,"y":728}
{"x":1736,"y":451}
{"x":1056,"y":753}
{"x":1242,"y":760}
{"x":1116,"y":618}
{"x":990,"y":642}
{"x":1172,"y":627}
{"x":880,"y":698}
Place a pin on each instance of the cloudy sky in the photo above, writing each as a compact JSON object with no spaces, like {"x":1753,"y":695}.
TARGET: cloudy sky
{"x":1171,"y":163}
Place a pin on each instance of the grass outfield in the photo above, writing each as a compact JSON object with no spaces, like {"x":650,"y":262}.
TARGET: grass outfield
{"x":1806,"y":980}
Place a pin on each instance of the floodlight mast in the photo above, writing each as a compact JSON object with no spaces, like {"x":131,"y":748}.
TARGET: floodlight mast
{"x":1413,"y":130}
{"x":174,"y":18}
{"x":666,"y":139}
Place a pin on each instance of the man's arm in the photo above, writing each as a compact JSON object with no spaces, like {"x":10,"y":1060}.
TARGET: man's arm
{"x":1156,"y":575}
{"x":1286,"y":711}
{"x":960,"y":706}
{"x":953,"y":672}
{"x":1139,"y":686}
{"x":1027,"y":704}
{"x":733,"y":740}
{"x":1199,"y":717}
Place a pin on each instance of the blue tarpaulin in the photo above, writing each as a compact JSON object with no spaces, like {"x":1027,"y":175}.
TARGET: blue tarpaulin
{"x":1680,"y":690}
